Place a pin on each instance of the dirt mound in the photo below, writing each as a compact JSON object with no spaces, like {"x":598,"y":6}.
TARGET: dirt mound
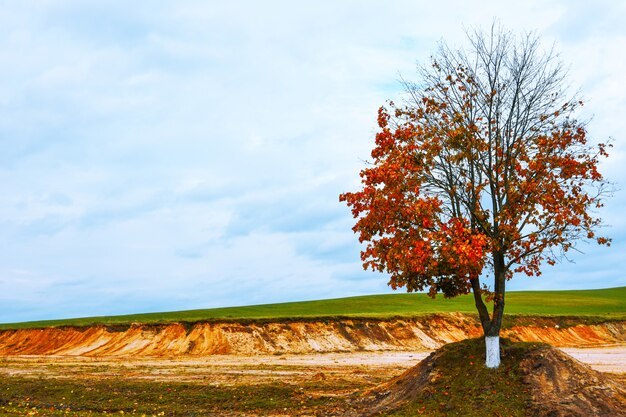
{"x":313,"y":336}
{"x":561,"y":386}
{"x":533,"y":380}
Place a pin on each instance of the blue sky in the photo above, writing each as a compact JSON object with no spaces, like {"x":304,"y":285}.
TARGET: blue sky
{"x":176,"y":155}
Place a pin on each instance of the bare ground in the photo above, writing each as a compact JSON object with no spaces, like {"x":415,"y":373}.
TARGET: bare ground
{"x":319,"y":384}
{"x":361,"y":367}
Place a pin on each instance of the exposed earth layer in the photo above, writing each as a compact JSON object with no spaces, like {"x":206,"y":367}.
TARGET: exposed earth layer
{"x":315,"y":336}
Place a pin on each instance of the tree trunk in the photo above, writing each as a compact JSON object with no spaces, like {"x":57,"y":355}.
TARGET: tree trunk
{"x":492,"y":335}
{"x":483,"y":313}
{"x":492,"y":356}
{"x":491,"y":325}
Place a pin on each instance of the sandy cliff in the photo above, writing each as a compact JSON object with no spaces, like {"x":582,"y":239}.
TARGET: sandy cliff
{"x":291,"y":337}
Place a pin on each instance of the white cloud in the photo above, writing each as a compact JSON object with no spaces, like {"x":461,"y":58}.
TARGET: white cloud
{"x":183,"y":155}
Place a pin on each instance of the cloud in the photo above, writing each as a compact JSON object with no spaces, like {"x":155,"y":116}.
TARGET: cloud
{"x":162,"y":155}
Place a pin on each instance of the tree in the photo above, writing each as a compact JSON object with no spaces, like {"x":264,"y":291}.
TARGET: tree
{"x":483,"y":172}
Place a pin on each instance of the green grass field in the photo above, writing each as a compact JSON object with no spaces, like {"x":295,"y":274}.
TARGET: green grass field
{"x":605,"y":303}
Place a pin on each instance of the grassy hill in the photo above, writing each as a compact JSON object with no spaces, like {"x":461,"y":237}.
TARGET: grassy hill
{"x":606,"y":303}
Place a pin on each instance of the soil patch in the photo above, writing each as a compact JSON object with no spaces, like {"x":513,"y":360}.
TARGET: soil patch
{"x":533,"y":380}
{"x":322,"y":384}
{"x":345,"y":335}
{"x":563,"y":387}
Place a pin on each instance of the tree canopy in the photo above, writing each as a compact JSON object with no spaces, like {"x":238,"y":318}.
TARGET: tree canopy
{"x":482,"y":171}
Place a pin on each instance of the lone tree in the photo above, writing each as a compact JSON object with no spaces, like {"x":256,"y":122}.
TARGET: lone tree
{"x":481,"y":173}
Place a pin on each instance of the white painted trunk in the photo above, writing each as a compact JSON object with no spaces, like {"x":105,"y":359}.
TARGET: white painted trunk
{"x":493,"y":351}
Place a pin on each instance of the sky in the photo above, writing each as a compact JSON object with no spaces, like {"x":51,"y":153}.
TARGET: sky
{"x":160,"y":155}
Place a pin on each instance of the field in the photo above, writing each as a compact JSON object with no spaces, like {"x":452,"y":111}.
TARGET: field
{"x":607,"y":303}
{"x":277,"y":385}
{"x":270,"y":385}
{"x":284,"y":384}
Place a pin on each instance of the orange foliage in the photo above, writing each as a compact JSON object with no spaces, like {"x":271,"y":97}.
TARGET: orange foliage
{"x":446,"y":192}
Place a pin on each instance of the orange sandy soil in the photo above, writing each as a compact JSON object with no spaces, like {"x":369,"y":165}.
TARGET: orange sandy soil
{"x":312,"y":384}
{"x":348,"y":335}
{"x":365,"y":368}
{"x":358,"y":367}
{"x":359,"y":351}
